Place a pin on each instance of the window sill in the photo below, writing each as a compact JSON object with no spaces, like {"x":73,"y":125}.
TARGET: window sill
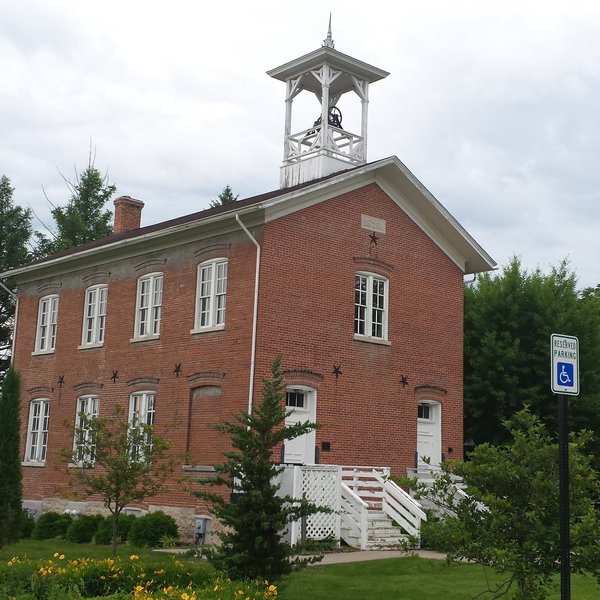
{"x":42,"y":352}
{"x":79,"y":466}
{"x":371,"y":340}
{"x":33,"y":464}
{"x":90,"y":346}
{"x":207,"y":329}
{"x":199,"y":468}
{"x":146,"y":338}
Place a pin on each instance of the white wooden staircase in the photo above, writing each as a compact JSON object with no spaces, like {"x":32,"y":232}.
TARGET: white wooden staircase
{"x":368,"y":510}
{"x":376,"y":513}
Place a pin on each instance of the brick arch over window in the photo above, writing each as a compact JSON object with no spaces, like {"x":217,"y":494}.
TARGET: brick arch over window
{"x":203,"y":441}
{"x":213,"y":251}
{"x":367,"y":263}
{"x":302,"y":376}
{"x":430,"y":392}
{"x":149,"y":265}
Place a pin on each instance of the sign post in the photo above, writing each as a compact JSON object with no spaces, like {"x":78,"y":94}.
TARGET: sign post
{"x":565,"y":382}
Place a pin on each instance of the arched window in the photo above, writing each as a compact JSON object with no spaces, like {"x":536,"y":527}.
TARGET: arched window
{"x":83,"y":443}
{"x":37,"y":431}
{"x":211,"y":295}
{"x":370,"y":306}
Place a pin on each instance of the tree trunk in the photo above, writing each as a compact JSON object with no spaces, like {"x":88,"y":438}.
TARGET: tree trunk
{"x":115,"y":533}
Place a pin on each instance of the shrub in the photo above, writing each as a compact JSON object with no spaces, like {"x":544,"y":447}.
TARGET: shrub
{"x":149,"y":529}
{"x":125,"y":524}
{"x":103,"y":534}
{"x":439,"y":534}
{"x":51,"y":525}
{"x":83,"y":529}
{"x":27,"y":525}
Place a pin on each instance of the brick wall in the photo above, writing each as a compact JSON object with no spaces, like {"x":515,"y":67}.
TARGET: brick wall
{"x":306,"y":311}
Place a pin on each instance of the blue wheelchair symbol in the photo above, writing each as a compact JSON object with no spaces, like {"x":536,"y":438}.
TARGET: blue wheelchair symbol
{"x":564,"y":374}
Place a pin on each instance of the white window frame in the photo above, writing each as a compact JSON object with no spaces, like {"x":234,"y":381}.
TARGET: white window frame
{"x":142,"y":410}
{"x":211,"y":295}
{"x":87,"y":405}
{"x":296,"y":390}
{"x":47,"y":325}
{"x":371,"y":308}
{"x":430,"y":411}
{"x":94,"y":316}
{"x":148,"y":307}
{"x":36,"y":447}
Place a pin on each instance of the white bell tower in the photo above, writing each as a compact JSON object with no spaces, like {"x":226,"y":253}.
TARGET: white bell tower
{"x":325,"y":147}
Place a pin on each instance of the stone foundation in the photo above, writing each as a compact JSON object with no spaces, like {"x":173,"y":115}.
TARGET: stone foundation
{"x":185,"y":517}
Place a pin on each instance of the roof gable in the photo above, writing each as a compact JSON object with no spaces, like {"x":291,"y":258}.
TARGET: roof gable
{"x":390,"y":174}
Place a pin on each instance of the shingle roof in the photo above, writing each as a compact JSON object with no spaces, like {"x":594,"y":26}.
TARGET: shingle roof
{"x":190,"y":218}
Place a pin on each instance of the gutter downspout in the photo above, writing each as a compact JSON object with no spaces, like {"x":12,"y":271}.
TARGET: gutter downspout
{"x":14,"y":297}
{"x":255,"y":315}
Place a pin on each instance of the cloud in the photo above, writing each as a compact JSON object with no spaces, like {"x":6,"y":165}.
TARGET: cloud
{"x":492,"y":105}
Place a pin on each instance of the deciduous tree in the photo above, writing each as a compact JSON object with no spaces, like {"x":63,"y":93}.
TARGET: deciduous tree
{"x":119,"y":462}
{"x":508,"y":322}
{"x":509,"y":518}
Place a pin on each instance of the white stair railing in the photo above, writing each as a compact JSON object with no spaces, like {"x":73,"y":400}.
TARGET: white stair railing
{"x":372,"y":484}
{"x":354,"y":516}
{"x":402,"y":508}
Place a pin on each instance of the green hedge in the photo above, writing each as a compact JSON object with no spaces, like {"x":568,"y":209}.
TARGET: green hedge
{"x":147,"y":531}
{"x":51,"y":525}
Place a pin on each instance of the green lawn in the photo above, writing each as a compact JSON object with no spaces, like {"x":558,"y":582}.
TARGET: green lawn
{"x":411,"y":578}
{"x":36,"y":549}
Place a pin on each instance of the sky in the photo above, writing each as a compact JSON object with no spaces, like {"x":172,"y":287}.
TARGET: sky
{"x":494,"y":106}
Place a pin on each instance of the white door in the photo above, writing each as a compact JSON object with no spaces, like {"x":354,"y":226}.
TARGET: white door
{"x":429,"y":433}
{"x":302,"y":402}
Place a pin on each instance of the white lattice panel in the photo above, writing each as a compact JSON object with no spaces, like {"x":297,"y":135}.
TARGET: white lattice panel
{"x":322,"y":485}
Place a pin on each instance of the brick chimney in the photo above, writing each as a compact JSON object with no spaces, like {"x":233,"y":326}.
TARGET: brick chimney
{"x":128,"y":214}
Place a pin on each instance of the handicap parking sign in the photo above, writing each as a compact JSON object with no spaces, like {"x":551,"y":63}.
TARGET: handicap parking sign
{"x":564,"y":350}
{"x":564,"y":374}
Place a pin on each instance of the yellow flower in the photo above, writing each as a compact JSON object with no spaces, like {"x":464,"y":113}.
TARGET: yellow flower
{"x":61,"y":557}
{"x":185,"y":596}
{"x":55,"y":555}
{"x":134,"y":557}
{"x":272,"y":588}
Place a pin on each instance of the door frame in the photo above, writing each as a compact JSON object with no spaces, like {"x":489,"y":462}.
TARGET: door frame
{"x":434,"y":422}
{"x":305,"y":414}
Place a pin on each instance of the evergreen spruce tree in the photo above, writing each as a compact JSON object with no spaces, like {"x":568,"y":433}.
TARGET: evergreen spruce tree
{"x":225,"y":197}
{"x":15,"y":233}
{"x":84,"y":217}
{"x":11,"y":487}
{"x":251,"y":546}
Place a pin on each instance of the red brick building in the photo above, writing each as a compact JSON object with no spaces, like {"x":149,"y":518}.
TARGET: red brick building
{"x":352,"y":271}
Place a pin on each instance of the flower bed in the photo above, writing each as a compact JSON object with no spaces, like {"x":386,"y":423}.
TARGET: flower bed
{"x":167,"y":579}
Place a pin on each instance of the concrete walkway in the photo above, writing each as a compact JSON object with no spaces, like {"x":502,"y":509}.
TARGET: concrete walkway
{"x":338,"y":558}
